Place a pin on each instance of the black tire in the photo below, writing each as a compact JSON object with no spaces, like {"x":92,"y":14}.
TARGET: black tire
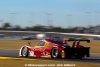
{"x":55,"y":53}
{"x":24,"y":52}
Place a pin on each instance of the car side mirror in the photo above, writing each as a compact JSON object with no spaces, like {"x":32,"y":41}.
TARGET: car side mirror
{"x":29,"y":43}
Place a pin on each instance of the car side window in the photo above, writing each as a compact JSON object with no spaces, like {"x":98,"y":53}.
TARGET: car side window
{"x":41,"y":43}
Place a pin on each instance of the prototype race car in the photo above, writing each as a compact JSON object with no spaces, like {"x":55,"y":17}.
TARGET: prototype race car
{"x":55,"y":48}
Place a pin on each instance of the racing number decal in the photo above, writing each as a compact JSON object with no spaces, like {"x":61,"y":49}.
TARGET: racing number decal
{"x":31,"y":53}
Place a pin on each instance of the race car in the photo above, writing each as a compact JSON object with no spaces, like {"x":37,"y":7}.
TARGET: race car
{"x":55,"y":47}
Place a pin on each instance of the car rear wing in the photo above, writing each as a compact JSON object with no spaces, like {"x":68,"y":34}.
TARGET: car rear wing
{"x":76,"y":42}
{"x":88,"y":41}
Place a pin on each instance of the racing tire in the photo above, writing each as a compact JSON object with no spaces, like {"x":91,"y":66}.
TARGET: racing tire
{"x":55,"y":53}
{"x":24,"y":52}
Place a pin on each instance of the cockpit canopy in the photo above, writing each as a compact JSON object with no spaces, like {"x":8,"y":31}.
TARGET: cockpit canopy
{"x":57,"y":40}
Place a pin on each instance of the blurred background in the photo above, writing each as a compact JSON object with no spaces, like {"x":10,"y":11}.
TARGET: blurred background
{"x":20,"y":18}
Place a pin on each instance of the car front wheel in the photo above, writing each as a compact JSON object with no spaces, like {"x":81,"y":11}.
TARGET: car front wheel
{"x":24,"y":52}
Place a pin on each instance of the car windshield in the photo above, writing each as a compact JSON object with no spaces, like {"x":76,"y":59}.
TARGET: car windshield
{"x":41,"y":43}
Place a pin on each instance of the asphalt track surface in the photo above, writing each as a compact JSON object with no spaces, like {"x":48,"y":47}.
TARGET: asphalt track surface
{"x":94,"y":58}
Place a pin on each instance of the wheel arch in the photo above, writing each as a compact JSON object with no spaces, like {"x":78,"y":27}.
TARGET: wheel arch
{"x":20,"y":50}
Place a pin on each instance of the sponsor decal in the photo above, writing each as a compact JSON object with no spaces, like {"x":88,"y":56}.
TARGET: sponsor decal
{"x":39,"y":49}
{"x":63,"y":54}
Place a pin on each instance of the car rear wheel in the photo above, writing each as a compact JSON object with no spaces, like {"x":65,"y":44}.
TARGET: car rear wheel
{"x":24,"y":51}
{"x":55,"y":53}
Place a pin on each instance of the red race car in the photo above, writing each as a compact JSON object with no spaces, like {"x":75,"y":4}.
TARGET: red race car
{"x":55,"y":48}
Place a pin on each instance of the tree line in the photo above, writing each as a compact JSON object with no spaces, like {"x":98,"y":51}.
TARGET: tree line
{"x":8,"y":26}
